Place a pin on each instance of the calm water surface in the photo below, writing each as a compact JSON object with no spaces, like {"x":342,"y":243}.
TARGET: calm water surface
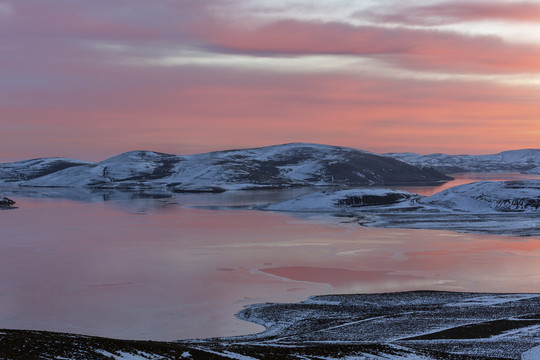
{"x":159,"y":269}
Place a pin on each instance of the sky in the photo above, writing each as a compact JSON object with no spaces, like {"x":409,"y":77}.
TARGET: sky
{"x":90,"y":79}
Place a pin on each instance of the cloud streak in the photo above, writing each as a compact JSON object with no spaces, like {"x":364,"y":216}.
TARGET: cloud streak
{"x":452,"y":12}
{"x":62,"y":32}
{"x":408,"y":48}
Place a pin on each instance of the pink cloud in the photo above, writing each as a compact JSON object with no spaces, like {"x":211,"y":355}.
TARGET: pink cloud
{"x":404,"y":47}
{"x":64,"y":31}
{"x":451,"y":12}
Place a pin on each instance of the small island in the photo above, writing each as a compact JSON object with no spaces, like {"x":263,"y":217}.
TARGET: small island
{"x":6,"y":202}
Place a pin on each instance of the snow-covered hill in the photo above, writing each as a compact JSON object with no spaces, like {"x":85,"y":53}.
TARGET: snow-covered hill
{"x":30,"y":169}
{"x":496,"y":207}
{"x":346,"y":200}
{"x":286,"y":165}
{"x":524,"y":160}
{"x":478,"y":197}
{"x":489,"y":196}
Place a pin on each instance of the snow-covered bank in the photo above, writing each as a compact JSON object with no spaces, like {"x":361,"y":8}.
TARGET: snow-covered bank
{"x":496,"y":207}
{"x":478,"y":197}
{"x":346,"y":200}
{"x":489,"y":196}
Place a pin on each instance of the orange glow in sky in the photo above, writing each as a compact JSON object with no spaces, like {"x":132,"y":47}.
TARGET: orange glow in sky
{"x":94,"y":78}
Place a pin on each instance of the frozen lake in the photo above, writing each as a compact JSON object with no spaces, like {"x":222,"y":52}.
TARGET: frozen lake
{"x":160,"y":269}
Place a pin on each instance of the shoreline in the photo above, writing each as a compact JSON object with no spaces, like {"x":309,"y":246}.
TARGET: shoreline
{"x":426,"y":324}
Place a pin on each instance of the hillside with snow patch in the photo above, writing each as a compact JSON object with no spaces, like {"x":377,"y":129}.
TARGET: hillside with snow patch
{"x":276,"y":166}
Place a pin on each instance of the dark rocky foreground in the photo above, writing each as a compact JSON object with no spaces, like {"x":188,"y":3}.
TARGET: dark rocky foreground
{"x":409,"y":325}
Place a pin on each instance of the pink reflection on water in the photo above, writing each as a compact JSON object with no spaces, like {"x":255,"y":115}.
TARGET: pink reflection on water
{"x":176,"y":272}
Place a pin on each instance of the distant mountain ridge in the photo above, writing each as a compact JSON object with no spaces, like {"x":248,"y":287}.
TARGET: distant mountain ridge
{"x":524,"y":160}
{"x":296,"y":164}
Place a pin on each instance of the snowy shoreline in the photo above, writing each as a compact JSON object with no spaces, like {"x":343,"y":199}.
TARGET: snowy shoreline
{"x":493,"y":207}
{"x":405,"y":325}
